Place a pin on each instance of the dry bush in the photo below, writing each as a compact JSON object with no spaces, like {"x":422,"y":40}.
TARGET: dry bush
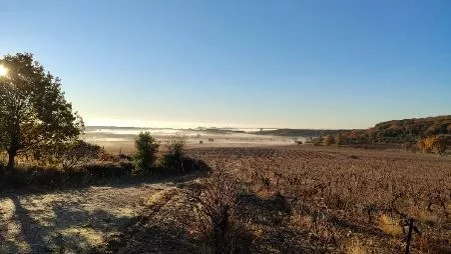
{"x":328,"y":140}
{"x":389,"y":225}
{"x":66,"y":155}
{"x":432,"y":144}
{"x":78,"y":153}
{"x":218,"y":201}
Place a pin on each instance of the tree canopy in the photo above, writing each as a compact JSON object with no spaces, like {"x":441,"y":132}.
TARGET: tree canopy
{"x":33,"y":111}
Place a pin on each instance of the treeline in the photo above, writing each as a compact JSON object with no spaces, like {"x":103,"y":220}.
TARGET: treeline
{"x":299,"y":132}
{"x":401,"y":131}
{"x":432,"y":134}
{"x":395,"y":131}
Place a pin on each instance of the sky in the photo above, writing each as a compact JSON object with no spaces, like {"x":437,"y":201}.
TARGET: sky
{"x":295,"y":64}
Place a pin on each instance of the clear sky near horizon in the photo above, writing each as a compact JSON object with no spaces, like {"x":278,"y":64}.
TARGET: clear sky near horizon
{"x":298,"y":64}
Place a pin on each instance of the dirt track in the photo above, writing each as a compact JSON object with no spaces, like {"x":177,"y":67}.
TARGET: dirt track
{"x":72,"y":221}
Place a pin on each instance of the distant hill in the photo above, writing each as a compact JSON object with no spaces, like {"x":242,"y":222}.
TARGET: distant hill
{"x":299,"y":132}
{"x":406,"y":130}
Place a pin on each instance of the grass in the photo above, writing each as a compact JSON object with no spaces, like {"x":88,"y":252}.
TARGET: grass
{"x":390,"y":225}
{"x":355,"y":247}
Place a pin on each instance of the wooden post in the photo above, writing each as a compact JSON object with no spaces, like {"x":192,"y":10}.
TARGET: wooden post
{"x":409,"y":236}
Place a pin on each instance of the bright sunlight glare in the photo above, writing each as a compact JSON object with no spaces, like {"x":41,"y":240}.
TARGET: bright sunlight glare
{"x":3,"y":70}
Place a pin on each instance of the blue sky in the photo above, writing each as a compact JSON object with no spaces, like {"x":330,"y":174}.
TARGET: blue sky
{"x":298,"y":64}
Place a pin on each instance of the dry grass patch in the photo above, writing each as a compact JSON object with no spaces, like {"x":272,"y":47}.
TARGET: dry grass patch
{"x":298,"y":220}
{"x":157,"y":197}
{"x":356,"y":247}
{"x":389,"y":225}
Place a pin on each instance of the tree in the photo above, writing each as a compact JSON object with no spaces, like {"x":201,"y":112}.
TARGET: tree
{"x":146,"y":152}
{"x":173,"y":158}
{"x":33,"y":111}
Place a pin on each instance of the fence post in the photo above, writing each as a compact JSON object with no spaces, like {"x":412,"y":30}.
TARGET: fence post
{"x":409,"y":236}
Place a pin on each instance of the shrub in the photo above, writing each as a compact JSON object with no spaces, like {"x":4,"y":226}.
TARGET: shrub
{"x":108,"y":170}
{"x":315,"y":141}
{"x":53,"y":177}
{"x":218,"y":198}
{"x":146,"y":150}
{"x":339,"y":140}
{"x":174,"y":156}
{"x":432,"y":144}
{"x":328,"y":140}
{"x":67,"y":155}
{"x":77,"y":153}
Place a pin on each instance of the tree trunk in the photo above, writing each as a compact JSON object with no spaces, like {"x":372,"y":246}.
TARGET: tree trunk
{"x":11,"y":159}
{"x":2,"y":173}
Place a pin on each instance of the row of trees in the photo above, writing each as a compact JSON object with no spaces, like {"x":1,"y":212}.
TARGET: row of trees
{"x":34,"y":114}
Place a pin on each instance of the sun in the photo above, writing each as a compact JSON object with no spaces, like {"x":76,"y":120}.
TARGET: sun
{"x":3,"y":71}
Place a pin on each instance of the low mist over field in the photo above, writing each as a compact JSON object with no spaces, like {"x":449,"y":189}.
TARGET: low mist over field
{"x":122,"y":139}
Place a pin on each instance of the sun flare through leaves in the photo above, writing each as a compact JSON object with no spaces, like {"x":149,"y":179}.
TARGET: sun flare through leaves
{"x":3,"y":71}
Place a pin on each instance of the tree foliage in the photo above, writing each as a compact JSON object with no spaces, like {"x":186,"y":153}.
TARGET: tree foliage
{"x":174,"y":156}
{"x":33,"y":111}
{"x":432,"y":144}
{"x":67,"y":155}
{"x":146,"y":152}
{"x":400,"y":131}
{"x":76,"y":153}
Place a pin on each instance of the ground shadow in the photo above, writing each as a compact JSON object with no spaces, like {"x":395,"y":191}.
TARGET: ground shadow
{"x":65,"y":227}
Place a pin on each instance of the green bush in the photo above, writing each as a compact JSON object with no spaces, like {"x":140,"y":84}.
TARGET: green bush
{"x":173,"y":157}
{"x":146,"y":153}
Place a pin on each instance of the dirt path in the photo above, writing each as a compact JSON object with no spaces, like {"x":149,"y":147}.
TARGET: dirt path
{"x":72,"y":221}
